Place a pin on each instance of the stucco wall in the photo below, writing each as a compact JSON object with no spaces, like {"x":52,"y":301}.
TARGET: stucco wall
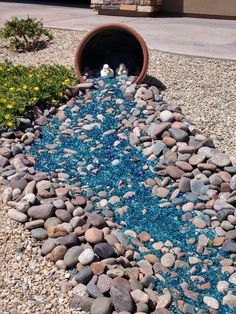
{"x":208,"y":7}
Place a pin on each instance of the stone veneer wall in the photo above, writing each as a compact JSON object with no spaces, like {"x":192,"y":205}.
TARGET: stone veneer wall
{"x":127,"y":7}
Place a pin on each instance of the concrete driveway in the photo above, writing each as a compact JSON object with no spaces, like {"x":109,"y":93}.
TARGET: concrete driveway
{"x":190,"y":36}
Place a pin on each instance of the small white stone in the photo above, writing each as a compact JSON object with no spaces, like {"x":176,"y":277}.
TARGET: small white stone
{"x":211,"y":302}
{"x":168,"y":260}
{"x":222,"y":286}
{"x":86,"y":257}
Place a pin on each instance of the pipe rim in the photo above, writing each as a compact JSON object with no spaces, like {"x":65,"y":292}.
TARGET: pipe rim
{"x":103,"y":27}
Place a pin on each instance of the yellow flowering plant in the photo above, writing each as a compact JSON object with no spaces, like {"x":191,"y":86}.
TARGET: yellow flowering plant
{"x":23,"y":87}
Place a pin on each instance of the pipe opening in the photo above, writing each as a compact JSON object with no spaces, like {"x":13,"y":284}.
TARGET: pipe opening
{"x":112,"y":46}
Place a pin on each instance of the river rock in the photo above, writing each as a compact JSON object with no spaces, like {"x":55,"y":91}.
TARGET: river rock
{"x":101,"y":305}
{"x":41,"y":211}
{"x":104,"y":250}
{"x":121,"y":299}
{"x":86,"y":257}
{"x":17,"y":216}
{"x":72,"y":255}
{"x":94,"y":235}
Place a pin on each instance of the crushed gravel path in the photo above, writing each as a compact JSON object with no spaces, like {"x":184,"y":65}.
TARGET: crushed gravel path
{"x":204,"y":88}
{"x":29,"y":283}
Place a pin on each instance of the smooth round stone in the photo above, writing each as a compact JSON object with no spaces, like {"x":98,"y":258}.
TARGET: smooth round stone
{"x":34,"y":224}
{"x":39,"y":234}
{"x":63,"y":215}
{"x":96,"y":220}
{"x":196,"y":159}
{"x":84,"y":275}
{"x":52,"y":221}
{"x":69,"y":240}
{"x":233,"y":183}
{"x":169,"y":141}
{"x":160,"y":191}
{"x":72,"y":255}
{"x":94,"y":235}
{"x":30,"y":198}
{"x":59,"y":204}
{"x":41,"y":211}
{"x":183,"y":165}
{"x":226,"y":225}
{"x":222,"y":286}
{"x":48,"y":246}
{"x":230,"y":300}
{"x":43,"y":185}
{"x":211,"y":302}
{"x":174,"y":172}
{"x":86,"y":257}
{"x":168,"y":260}
{"x":188,"y":207}
{"x":17,"y":216}
{"x":57,"y":253}
{"x":166,"y":116}
{"x":199,"y":223}
{"x":220,"y":160}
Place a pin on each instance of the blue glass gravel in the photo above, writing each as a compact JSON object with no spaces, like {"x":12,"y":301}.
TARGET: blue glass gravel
{"x":163,"y":223}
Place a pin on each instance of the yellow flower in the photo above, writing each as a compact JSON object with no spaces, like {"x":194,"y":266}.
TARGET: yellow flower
{"x":30,"y":75}
{"x":66,"y":82}
{"x":6,"y":116}
{"x":11,"y":89}
{"x":9,"y":106}
{"x":53,"y":101}
{"x":36,"y":88}
{"x":60,"y":94}
{"x":10,"y":123}
{"x":24,"y":87}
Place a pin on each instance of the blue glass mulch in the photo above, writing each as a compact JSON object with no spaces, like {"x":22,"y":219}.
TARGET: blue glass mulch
{"x":120,"y":170}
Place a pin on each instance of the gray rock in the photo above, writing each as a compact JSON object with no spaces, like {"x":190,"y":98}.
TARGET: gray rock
{"x":81,"y":302}
{"x":68,"y":240}
{"x":121,"y":299}
{"x":220,"y":160}
{"x":48,"y":246}
{"x":17,"y":216}
{"x":41,"y":211}
{"x":104,"y":250}
{"x":3,"y":161}
{"x":39,"y":234}
{"x":93,"y":290}
{"x":101,"y":305}
{"x":72,"y":255}
{"x":34,"y":224}
{"x":6,"y":196}
{"x":84,"y":275}
{"x":178,"y":134}
{"x":229,"y":246}
{"x":18,"y":184}
{"x":184,"y":184}
{"x":196,"y":186}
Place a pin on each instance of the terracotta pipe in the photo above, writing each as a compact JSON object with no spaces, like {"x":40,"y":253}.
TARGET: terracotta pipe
{"x":86,"y":39}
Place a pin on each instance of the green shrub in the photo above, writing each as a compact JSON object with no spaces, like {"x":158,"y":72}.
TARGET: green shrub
{"x":23,"y":87}
{"x":26,"y":34}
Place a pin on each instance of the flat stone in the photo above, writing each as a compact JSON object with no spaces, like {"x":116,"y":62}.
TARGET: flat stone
{"x":183,"y":165}
{"x":69,"y":240}
{"x":146,"y":267}
{"x":196,"y":159}
{"x":96,"y":220}
{"x":211,"y":302}
{"x":104,"y":250}
{"x":168,"y":260}
{"x":39,"y":234}
{"x":17,"y":216}
{"x":93,"y":290}
{"x":199,"y":223}
{"x":48,"y":246}
{"x":139,"y":296}
{"x":229,"y":246}
{"x":18,"y":184}
{"x":57,"y":253}
{"x":52,"y":221}
{"x":98,"y":268}
{"x":84,"y":275}
{"x":220,"y":160}
{"x":101,"y":305}
{"x":174,"y":172}
{"x":63,"y":215}
{"x":72,"y":255}
{"x":34,"y":224}
{"x":178,"y":134}
{"x":196,"y":186}
{"x":121,"y":299}
{"x":184,"y":184}
{"x":41,"y":211}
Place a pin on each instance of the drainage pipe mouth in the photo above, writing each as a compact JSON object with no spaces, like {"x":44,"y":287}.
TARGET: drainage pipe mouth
{"x":112,"y":44}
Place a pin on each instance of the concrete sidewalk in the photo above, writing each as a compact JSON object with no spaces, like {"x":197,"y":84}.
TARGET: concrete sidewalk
{"x":190,"y":36}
